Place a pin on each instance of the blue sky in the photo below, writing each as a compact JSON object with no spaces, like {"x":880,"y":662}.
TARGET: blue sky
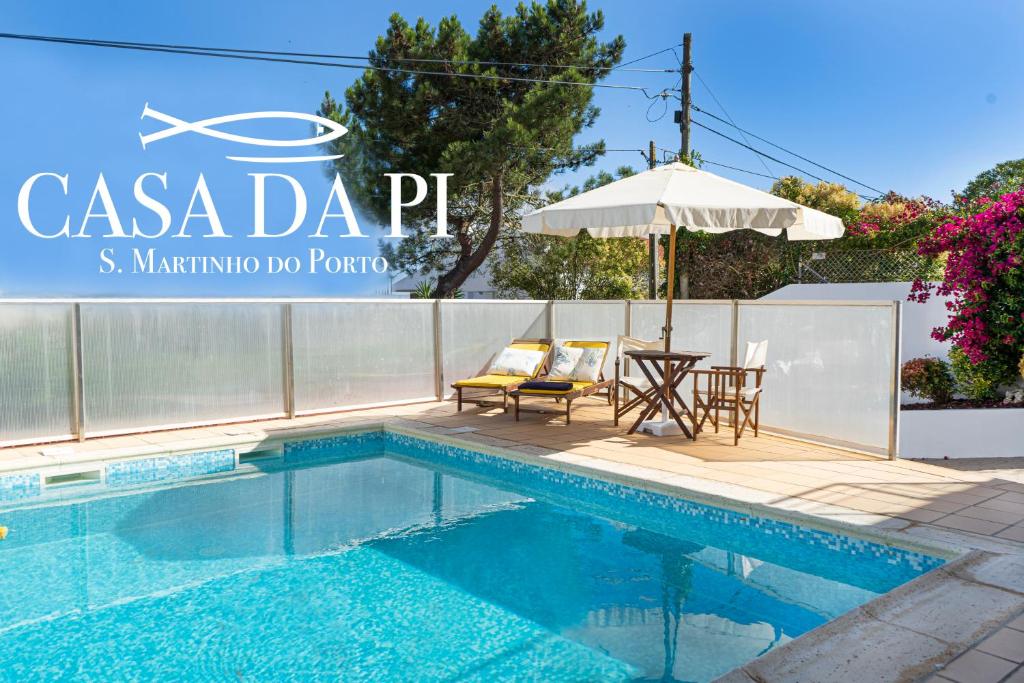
{"x":913,"y":96}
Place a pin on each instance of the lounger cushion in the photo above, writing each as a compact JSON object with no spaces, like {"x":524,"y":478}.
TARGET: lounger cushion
{"x":541,"y":384}
{"x":489,"y":381}
{"x":515,"y":361}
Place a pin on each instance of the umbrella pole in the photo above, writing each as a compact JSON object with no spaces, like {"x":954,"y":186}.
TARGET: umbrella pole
{"x":670,"y":294}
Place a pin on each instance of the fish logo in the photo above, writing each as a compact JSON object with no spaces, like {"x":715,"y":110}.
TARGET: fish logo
{"x":327,"y":130}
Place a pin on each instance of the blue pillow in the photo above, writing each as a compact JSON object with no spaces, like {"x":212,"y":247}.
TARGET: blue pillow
{"x":547,"y":386}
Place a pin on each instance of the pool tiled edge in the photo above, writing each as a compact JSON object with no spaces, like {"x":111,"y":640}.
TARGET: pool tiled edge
{"x":732,"y":498}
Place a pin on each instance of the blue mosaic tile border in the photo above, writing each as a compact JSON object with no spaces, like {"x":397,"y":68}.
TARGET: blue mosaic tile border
{"x":165,"y":468}
{"x":355,"y":445}
{"x":757,"y":532}
{"x":18,"y":486}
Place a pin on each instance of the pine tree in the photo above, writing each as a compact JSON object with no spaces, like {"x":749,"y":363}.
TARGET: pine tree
{"x":500,"y":138}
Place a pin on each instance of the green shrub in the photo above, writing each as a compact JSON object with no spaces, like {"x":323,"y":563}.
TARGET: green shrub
{"x":928,"y":378}
{"x":979,"y":381}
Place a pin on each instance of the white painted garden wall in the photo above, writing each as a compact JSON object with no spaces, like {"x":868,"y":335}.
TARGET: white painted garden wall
{"x":977,"y":433}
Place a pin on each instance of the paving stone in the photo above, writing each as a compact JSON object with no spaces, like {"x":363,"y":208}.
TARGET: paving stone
{"x":988,"y":514}
{"x":947,"y":607}
{"x":977,"y":667}
{"x":857,"y":648}
{"x":1016,"y":677}
{"x":1014,"y":533}
{"x":1007,"y":643}
{"x":975,"y":526}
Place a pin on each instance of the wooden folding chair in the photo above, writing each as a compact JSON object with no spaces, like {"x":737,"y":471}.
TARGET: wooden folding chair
{"x":727,"y":389}
{"x":633,"y":387}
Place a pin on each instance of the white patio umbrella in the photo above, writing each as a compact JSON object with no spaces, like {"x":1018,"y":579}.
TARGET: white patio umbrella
{"x":676,"y":195}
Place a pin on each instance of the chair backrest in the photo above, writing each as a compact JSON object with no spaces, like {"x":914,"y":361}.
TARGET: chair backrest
{"x":634,"y":344}
{"x":543,"y":345}
{"x":756,"y":356}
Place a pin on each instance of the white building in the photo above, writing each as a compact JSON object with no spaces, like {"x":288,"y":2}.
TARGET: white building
{"x":477,"y":285}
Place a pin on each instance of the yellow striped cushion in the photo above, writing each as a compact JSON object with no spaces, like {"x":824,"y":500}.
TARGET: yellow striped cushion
{"x":490,"y":381}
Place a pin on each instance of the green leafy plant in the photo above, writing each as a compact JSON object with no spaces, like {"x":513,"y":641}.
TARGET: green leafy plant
{"x":976,"y":380}
{"x":426,"y":289}
{"x":582,"y":267}
{"x":928,"y":378}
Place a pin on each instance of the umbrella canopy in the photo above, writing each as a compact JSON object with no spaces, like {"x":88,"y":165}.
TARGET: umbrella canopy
{"x":677,"y":195}
{"x":674,"y":196}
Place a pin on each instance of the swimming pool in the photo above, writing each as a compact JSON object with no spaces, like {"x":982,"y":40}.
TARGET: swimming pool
{"x":383,"y":556}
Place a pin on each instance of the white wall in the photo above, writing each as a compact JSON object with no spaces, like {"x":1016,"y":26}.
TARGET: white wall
{"x":977,"y":433}
{"x":918,"y":319}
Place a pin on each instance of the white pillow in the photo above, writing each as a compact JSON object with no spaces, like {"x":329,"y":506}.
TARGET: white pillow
{"x":512,"y":361}
{"x":564,"y":362}
{"x":588,"y":368}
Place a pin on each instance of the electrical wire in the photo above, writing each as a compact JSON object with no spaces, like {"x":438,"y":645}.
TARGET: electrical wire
{"x":187,"y":49}
{"x":779,"y":147}
{"x":733,"y":123}
{"x":671,"y":48}
{"x":768,"y":156}
{"x":741,"y":170}
{"x":145,"y":47}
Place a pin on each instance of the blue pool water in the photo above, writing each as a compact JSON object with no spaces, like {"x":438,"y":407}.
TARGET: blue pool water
{"x":384,"y":557}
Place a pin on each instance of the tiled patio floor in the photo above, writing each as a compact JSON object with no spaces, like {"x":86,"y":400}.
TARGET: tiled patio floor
{"x":977,"y":502}
{"x":971,"y":636}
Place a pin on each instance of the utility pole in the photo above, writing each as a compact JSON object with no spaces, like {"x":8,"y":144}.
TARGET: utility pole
{"x":684,"y":119}
{"x":684,"y":153}
{"x":652,"y":241}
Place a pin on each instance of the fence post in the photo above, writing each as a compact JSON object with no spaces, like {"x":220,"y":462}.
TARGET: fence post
{"x":734,"y":341}
{"x":77,"y":375}
{"x":551,"y":318}
{"x":629,"y":318}
{"x":438,"y":355}
{"x":894,"y":384}
{"x":288,"y":360}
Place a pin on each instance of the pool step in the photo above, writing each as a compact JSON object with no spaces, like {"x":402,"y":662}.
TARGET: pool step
{"x":73,"y":478}
{"x":260,"y":455}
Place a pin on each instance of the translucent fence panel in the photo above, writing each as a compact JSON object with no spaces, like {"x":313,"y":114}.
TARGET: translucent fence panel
{"x":830,"y":368}
{"x":695,"y":327}
{"x":35,"y":372}
{"x":358,"y":353}
{"x":592,"y":320}
{"x":152,"y":364}
{"x":473,"y":331}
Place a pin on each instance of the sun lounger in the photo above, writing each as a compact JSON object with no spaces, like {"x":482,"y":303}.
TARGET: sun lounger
{"x":581,"y":367}
{"x":499,"y":375}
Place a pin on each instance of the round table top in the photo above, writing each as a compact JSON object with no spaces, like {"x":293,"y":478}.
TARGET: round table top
{"x":655,"y":354}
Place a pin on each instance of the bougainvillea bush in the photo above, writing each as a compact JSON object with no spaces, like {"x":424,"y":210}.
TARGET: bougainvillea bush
{"x":984,"y":281}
